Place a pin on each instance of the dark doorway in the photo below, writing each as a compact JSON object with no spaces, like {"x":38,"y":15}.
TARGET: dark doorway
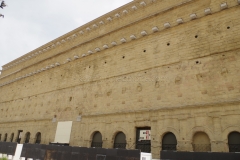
{"x":120,"y":141}
{"x":19,"y":136}
{"x":97,"y":140}
{"x":169,"y":142}
{"x":0,"y":137}
{"x":38,"y":138}
{"x":27,"y":137}
{"x":143,"y":139}
{"x":12,"y":136}
{"x":234,"y":142}
{"x":5,"y":138}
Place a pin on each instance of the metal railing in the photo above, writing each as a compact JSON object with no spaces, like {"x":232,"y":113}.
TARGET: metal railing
{"x":169,"y":147}
{"x":120,"y":145}
{"x":27,"y":141}
{"x":202,"y":147}
{"x":234,"y":147}
{"x":96,"y":144}
{"x":144,"y":147}
{"x":38,"y":142}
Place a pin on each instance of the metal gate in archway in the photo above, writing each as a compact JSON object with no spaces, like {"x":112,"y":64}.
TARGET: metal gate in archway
{"x":143,"y":139}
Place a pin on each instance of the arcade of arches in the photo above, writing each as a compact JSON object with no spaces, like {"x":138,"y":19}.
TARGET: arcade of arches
{"x":200,"y":141}
{"x":18,"y":139}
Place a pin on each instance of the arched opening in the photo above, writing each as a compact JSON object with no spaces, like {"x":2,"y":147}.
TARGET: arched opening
{"x":38,"y":138}
{"x":120,"y":140}
{"x":12,"y":136}
{"x":0,"y":137}
{"x":169,"y":142}
{"x":201,"y":142}
{"x":97,"y":140}
{"x":5,"y":138}
{"x":234,"y":142}
{"x":27,"y":137}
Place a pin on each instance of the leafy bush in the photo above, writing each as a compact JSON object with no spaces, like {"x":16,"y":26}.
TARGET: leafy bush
{"x":3,"y":158}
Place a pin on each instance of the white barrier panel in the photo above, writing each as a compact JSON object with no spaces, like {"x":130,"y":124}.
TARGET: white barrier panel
{"x":22,"y":158}
{"x":63,"y":132}
{"x":18,"y":152}
{"x":1,"y":155}
{"x":10,"y":157}
{"x":146,"y":156}
{"x":29,"y":159}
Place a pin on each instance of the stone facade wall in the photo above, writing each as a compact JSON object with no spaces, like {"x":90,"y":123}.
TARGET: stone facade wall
{"x":183,"y":78}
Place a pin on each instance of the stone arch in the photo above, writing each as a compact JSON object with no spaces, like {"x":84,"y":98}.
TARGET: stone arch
{"x":93,"y":130}
{"x":117,"y":130}
{"x":97,"y":140}
{"x":120,"y":140}
{"x":201,"y":142}
{"x":27,"y":137}
{"x":169,"y":142}
{"x":200,"y":129}
{"x":167,"y":130}
{"x":227,"y":131}
{"x":234,"y":141}
{"x":38,"y":138}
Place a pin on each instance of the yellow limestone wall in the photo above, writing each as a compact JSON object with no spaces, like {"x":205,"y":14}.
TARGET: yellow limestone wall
{"x":183,"y":79}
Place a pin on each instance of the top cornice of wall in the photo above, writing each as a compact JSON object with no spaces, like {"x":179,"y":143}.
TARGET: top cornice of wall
{"x":111,"y":16}
{"x":158,"y":8}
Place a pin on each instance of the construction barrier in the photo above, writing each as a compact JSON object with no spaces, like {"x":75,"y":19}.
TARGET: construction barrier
{"x":174,"y":155}
{"x":54,"y":152}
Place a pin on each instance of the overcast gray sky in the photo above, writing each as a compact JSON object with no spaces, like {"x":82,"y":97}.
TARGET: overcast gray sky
{"x":28,"y":24}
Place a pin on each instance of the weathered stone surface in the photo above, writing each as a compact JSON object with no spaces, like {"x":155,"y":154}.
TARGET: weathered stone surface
{"x":183,"y":79}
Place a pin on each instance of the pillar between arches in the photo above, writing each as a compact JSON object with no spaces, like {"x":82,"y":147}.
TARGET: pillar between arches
{"x":219,"y":146}
{"x":184,"y":146}
{"x":130,"y":144}
{"x":87,"y":143}
{"x":107,"y":144}
{"x":32,"y":140}
{"x":155,"y":149}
